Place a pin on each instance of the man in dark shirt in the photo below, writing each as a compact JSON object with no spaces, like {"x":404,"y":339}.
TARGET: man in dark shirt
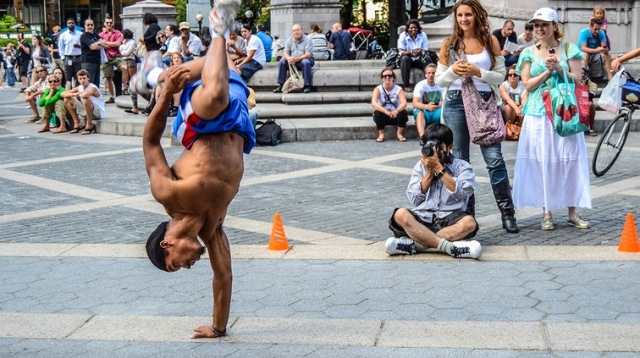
{"x":90,"y":45}
{"x":54,"y":50}
{"x":24,"y":59}
{"x":504,"y":34}
{"x":340,"y":41}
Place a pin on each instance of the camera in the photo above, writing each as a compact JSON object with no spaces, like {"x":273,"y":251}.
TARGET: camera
{"x":427,"y":147}
{"x":51,"y":40}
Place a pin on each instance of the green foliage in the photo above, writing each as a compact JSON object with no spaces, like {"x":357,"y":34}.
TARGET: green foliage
{"x":181,"y":10}
{"x":6,"y":22}
{"x":257,"y":7}
{"x":5,"y":42}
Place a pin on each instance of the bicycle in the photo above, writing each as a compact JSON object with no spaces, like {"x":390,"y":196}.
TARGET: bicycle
{"x":614,"y":137}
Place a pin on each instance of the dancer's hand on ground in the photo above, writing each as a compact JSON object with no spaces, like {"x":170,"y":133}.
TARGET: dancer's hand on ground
{"x":204,"y":331}
{"x":175,"y":79}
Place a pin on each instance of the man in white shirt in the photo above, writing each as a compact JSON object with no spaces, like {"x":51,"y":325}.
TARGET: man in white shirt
{"x":33,"y":92}
{"x":427,"y":100}
{"x":172,"y":42}
{"x":69,"y":47}
{"x":190,"y":44}
{"x":255,"y":58}
{"x":85,"y":100}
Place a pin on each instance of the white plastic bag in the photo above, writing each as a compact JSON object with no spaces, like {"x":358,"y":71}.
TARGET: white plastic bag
{"x":611,"y":97}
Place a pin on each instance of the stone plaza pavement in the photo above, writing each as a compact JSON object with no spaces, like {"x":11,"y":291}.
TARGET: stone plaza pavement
{"x":74,"y":280}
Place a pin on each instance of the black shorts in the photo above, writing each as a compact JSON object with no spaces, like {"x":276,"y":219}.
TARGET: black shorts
{"x":435,"y":226}
{"x":24,"y":70}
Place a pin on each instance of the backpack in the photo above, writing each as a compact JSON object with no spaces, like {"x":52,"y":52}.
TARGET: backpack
{"x":269,"y":133}
{"x":392,"y":58}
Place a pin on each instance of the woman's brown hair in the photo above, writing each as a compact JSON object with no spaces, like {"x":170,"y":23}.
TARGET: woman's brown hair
{"x":482,"y":29}
{"x":388,"y":69}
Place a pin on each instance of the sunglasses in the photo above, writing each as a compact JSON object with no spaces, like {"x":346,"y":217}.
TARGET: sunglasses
{"x":54,"y":81}
{"x":387,"y":76}
{"x":512,"y":75}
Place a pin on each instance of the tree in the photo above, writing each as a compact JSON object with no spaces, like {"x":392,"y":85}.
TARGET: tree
{"x":181,"y":10}
{"x":397,"y":17}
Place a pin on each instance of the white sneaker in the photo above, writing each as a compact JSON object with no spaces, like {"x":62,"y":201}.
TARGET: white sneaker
{"x":223,"y":15}
{"x":399,"y":246}
{"x":466,"y":249}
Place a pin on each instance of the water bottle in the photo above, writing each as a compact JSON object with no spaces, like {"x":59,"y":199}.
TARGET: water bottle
{"x":456,"y":56}
{"x":453,"y":56}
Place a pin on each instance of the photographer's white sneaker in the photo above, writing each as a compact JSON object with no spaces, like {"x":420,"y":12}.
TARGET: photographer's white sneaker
{"x":399,"y":246}
{"x":466,"y":249}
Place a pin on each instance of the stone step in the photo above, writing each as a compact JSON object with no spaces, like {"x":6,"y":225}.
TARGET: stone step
{"x":318,"y":97}
{"x":327,"y":125}
{"x":334,"y":79}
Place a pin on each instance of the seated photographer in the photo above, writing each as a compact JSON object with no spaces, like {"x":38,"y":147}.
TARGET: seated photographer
{"x":440,"y":188}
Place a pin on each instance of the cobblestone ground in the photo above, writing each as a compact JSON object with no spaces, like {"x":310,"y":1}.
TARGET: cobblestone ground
{"x":60,"y":192}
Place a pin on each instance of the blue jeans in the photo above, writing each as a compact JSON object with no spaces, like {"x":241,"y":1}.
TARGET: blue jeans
{"x":248,"y":69}
{"x":10,"y":73}
{"x":510,"y":60}
{"x":455,"y":118}
{"x":94,"y":72}
{"x":304,"y":65}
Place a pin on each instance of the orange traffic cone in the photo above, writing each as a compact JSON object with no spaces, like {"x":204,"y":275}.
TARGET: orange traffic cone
{"x":278,"y":239}
{"x":629,"y":240}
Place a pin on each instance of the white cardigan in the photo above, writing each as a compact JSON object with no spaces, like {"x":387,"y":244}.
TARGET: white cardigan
{"x":494,"y":77}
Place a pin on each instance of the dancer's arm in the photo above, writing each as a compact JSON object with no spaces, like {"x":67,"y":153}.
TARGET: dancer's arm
{"x":156,"y":162}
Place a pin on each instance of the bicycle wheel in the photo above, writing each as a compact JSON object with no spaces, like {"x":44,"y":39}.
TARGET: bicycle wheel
{"x":610,"y":144}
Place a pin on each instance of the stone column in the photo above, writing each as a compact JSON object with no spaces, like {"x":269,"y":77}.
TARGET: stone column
{"x":285,"y":13}
{"x":132,"y":16}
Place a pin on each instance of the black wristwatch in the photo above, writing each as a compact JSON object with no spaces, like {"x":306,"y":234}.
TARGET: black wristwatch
{"x":441,"y":173}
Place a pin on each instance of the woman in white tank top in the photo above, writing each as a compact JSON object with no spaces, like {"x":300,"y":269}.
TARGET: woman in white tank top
{"x":485,"y":65}
{"x":389,"y":105}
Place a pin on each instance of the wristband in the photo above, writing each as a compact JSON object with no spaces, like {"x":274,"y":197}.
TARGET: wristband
{"x":220,"y":334}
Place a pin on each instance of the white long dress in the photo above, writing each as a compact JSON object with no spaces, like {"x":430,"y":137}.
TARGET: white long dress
{"x":551,"y":171}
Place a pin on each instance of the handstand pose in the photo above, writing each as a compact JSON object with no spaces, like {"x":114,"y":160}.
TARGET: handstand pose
{"x":215,"y":129}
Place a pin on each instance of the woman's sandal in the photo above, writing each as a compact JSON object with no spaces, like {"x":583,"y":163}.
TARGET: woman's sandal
{"x":593,"y":133}
{"x":131,"y":111}
{"x":77,"y":129}
{"x":89,"y":130}
{"x":57,"y":131}
{"x":380,"y":139}
{"x":44,"y":129}
{"x":402,"y":139}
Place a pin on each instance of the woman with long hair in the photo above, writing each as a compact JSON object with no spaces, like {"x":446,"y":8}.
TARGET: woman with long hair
{"x":552,"y":172}
{"x":484,"y":64}
{"x":39,"y":55}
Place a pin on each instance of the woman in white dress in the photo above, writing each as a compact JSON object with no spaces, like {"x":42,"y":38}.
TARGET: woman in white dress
{"x":552,"y":172}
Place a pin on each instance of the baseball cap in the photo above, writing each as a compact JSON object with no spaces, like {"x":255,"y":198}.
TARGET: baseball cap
{"x":184,"y":25}
{"x":545,"y":14}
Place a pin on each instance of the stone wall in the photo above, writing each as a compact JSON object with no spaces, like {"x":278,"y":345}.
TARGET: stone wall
{"x":623,"y":18}
{"x":285,"y":13}
{"x":132,"y":16}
